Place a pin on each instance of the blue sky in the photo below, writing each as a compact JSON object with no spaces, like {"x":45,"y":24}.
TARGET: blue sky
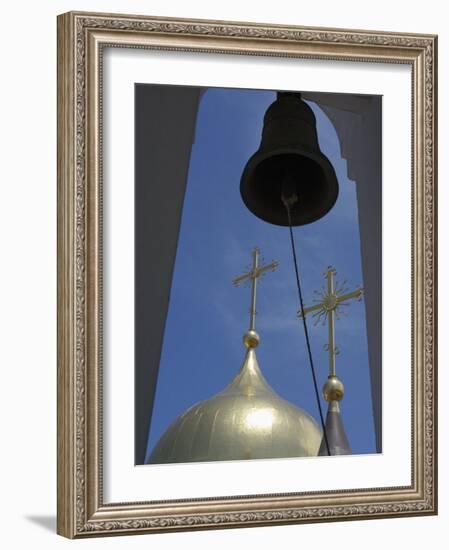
{"x":202,"y":349}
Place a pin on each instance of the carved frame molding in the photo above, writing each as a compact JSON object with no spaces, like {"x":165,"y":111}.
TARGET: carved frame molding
{"x":81,"y":37}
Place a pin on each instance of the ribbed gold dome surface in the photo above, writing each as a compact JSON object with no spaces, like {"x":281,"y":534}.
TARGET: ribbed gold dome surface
{"x":246,"y":420}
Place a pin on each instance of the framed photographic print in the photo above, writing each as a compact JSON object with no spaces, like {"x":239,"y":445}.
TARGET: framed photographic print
{"x":246,"y":274}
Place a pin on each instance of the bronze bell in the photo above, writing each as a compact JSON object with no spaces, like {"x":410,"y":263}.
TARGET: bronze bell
{"x":289,"y":157}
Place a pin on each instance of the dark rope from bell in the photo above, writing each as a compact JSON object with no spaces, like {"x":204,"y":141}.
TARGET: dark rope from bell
{"x":288,"y":201}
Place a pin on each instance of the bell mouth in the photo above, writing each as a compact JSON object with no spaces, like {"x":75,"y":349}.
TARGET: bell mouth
{"x":311,"y":176}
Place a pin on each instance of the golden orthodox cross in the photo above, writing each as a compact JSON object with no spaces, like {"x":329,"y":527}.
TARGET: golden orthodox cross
{"x":327,"y":308}
{"x":252,"y":275}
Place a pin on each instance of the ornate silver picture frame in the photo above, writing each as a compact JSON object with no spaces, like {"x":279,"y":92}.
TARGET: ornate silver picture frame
{"x":83,"y":510}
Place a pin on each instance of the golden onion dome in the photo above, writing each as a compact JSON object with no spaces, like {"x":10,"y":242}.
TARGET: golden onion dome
{"x":246,"y":420}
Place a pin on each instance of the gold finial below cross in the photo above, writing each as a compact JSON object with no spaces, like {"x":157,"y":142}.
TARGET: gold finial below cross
{"x":327,"y":307}
{"x":255,"y":272}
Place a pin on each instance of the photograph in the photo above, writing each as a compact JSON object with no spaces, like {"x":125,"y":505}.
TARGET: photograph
{"x":222,"y":364}
{"x":246,"y":282}
{"x":221,"y":248}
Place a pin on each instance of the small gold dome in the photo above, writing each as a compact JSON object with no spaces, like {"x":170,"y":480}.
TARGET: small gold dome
{"x":333,"y":389}
{"x":246,"y":420}
{"x":251,"y":339}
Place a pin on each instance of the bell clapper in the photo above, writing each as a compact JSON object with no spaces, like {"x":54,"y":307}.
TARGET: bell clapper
{"x":288,"y":194}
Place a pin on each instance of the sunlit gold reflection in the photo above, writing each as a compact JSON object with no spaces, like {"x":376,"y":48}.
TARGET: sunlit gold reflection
{"x":262,"y":418}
